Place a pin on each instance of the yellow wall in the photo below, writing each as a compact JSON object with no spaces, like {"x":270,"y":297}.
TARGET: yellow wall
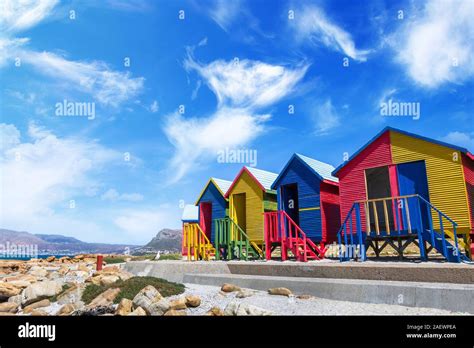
{"x":254,"y":206}
{"x":445,"y":177}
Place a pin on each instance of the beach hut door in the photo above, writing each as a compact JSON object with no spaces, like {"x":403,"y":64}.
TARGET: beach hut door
{"x":378,"y":186}
{"x":412,"y":180}
{"x":290,"y":201}
{"x":205,"y":218}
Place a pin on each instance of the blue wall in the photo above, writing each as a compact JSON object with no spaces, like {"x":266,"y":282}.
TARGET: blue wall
{"x":219,"y":204}
{"x":308,"y":196}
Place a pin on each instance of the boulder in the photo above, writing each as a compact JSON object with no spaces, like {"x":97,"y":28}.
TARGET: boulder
{"x":229,"y":287}
{"x":38,"y":272}
{"x":215,"y":312}
{"x":9,"y":307}
{"x":63,"y":270}
{"x":242,"y":293}
{"x":82,"y":267}
{"x":304,"y":297}
{"x":21,"y":278}
{"x":179,"y":303}
{"x":160,"y":307}
{"x":280,"y":291}
{"x":175,"y":313}
{"x":193,"y":301}
{"x":124,"y":307}
{"x":30,"y":308}
{"x":40,"y":290}
{"x":8,"y":290}
{"x":139,"y":311}
{"x":7,"y":267}
{"x":146,"y":297}
{"x":105,"y":299}
{"x":19,"y":283}
{"x":16,"y":299}
{"x":108,"y":279}
{"x":67,"y":309}
{"x":51,"y":259}
{"x":39,"y":313}
{"x":242,"y":309}
{"x":72,"y":294}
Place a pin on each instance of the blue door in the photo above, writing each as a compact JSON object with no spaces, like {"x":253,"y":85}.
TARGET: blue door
{"x":412,"y":180}
{"x":290,"y":201}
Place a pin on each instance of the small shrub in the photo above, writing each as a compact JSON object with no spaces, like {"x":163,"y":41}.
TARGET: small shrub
{"x":110,"y":260}
{"x":131,"y":287}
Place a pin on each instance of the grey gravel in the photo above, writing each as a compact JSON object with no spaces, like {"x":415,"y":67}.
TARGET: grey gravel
{"x":281,"y":305}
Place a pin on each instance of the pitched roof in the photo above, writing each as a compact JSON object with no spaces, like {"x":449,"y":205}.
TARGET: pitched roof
{"x":320,"y":169}
{"x":190,"y":213}
{"x":263,"y":178}
{"x":221,"y":184}
{"x":413,"y":135}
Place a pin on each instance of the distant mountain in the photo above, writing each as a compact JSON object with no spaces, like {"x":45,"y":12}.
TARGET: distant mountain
{"x":59,"y":244}
{"x":166,"y":239}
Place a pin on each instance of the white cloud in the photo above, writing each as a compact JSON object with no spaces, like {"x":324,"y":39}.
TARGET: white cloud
{"x":154,"y":107}
{"x":462,"y":139}
{"x":325,"y":118}
{"x":113,"y":195}
{"x":224,"y":13}
{"x":247,"y":83}
{"x":311,"y":23}
{"x":242,"y":90}
{"x":107,"y":86}
{"x":44,"y":173}
{"x":206,"y":136}
{"x":16,"y":15}
{"x":435,"y":40}
{"x":96,"y":78}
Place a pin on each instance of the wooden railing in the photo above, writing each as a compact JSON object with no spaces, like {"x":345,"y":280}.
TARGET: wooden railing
{"x":196,"y":242}
{"x":396,"y":216}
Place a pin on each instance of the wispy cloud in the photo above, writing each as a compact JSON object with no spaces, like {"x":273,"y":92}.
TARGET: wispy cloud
{"x":247,"y":83}
{"x":435,"y":46}
{"x":325,"y":118}
{"x":312,"y":24}
{"x":109,"y":87}
{"x":154,"y":107}
{"x":16,"y":16}
{"x":229,"y":15}
{"x":242,"y":90}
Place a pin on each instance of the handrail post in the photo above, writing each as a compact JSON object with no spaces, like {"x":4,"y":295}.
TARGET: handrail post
{"x":421,"y":242}
{"x":458,"y":252}
{"x":359,"y":232}
{"x":445,"y":247}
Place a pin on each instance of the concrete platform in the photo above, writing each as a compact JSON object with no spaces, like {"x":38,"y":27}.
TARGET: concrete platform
{"x":452,"y":297}
{"x":430,"y":272}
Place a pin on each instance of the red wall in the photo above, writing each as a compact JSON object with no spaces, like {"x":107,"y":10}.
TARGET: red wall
{"x":330,"y":212}
{"x":468,"y":166}
{"x":352,"y":177}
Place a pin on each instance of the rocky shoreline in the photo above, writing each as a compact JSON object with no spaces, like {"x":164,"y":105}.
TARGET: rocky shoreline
{"x":41,"y":287}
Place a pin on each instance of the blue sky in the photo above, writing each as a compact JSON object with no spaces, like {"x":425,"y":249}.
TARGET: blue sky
{"x":235,"y":67}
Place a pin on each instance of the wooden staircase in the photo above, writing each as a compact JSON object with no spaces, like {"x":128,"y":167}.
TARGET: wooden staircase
{"x":398,"y":222}
{"x":231,"y":242}
{"x":281,"y":231}
{"x":196,"y":243}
